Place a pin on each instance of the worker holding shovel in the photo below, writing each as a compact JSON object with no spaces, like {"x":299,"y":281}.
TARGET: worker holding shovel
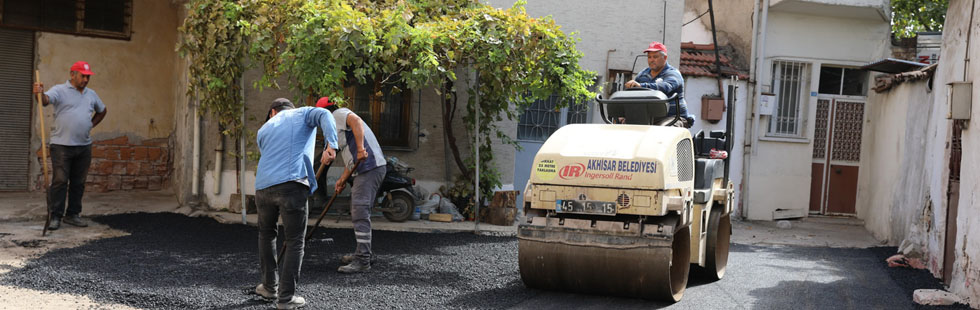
{"x":77,"y":109}
{"x":284,"y":180}
{"x":364,"y":149}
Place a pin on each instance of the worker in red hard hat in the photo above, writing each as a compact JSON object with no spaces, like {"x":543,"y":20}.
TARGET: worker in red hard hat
{"x":663,"y":77}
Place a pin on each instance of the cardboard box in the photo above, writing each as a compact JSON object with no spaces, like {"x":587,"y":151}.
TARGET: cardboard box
{"x":441,"y":217}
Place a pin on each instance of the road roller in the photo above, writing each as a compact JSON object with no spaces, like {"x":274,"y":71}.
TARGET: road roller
{"x":628,"y":207}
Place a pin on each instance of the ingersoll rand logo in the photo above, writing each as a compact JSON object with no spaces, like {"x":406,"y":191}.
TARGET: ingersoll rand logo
{"x":572,"y":171}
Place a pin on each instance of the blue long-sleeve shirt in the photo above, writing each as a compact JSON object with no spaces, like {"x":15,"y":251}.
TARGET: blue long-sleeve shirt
{"x":286,"y":142}
{"x":669,"y":81}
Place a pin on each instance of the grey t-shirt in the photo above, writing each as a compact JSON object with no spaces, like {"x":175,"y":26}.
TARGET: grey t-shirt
{"x":73,"y":112}
{"x":375,"y":157}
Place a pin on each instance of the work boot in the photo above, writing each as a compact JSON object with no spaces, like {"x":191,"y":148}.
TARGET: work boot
{"x":75,"y":220}
{"x":294,"y":303}
{"x":349,"y":258}
{"x":354,"y":267}
{"x":264,"y":292}
{"x":55,"y":223}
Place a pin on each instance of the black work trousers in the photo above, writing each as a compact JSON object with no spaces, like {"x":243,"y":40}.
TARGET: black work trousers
{"x":69,"y":167}
{"x":287,"y":200}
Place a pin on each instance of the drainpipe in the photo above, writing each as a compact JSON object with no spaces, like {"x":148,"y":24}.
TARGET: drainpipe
{"x":241,"y":138}
{"x":476,"y":134}
{"x":196,"y":161}
{"x":218,"y":155}
{"x":751,"y":137}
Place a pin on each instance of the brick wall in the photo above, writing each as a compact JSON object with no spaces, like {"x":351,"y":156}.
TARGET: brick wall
{"x":118,"y":164}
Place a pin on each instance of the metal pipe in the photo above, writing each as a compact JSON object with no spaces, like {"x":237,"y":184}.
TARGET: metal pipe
{"x":476,"y":133}
{"x":218,"y":156}
{"x":730,"y":127}
{"x":714,"y":41}
{"x":241,"y":141}
{"x":753,"y":135}
{"x":196,"y":160}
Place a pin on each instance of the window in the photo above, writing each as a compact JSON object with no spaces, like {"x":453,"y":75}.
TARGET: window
{"x":388,"y":115}
{"x":843,"y":81}
{"x":102,"y":18}
{"x":789,"y":83}
{"x":542,"y":118}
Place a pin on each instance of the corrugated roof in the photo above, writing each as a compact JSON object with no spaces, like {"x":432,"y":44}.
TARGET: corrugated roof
{"x":892,"y":65}
{"x":699,"y":60}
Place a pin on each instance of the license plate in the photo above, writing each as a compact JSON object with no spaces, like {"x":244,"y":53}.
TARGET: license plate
{"x":586,"y":207}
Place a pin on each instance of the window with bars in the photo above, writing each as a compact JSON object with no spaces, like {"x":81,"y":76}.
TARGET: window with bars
{"x":789,"y":83}
{"x":542,"y":118}
{"x":102,"y":18}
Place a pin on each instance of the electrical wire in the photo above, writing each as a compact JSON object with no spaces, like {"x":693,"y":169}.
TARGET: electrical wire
{"x":696,"y":18}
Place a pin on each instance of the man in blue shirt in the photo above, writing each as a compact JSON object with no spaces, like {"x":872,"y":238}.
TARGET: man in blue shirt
{"x":285,"y":178}
{"x":77,"y":109}
{"x":663,"y":77}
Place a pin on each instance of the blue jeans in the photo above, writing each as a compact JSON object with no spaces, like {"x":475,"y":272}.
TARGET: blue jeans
{"x":289,"y":201}
{"x":69,"y":168}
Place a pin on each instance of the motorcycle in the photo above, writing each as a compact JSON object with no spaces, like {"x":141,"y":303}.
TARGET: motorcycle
{"x":396,"y":195}
{"x":395,"y":199}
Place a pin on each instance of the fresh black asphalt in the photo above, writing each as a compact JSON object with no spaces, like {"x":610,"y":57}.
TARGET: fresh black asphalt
{"x":171,"y":261}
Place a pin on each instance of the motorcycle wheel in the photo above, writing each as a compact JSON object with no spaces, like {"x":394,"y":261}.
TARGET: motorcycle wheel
{"x":401,"y":205}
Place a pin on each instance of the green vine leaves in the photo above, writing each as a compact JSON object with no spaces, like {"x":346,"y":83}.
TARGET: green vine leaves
{"x":321,"y":45}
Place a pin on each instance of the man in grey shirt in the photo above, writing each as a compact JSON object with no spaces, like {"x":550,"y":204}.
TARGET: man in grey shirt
{"x":77,"y":110}
{"x":362,"y":145}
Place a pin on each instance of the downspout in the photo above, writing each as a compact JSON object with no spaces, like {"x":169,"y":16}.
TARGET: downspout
{"x":241,"y":138}
{"x":196,"y":161}
{"x":218,"y":156}
{"x":758,"y":54}
{"x":476,"y":134}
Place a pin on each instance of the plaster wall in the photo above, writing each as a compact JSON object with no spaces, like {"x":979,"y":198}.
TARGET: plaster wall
{"x":135,"y":78}
{"x":895,"y":153}
{"x":617,"y":31}
{"x":733,"y":22}
{"x":820,"y":37}
{"x":959,"y":44}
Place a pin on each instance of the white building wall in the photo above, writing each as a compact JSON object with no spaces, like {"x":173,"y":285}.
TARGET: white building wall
{"x":956,"y":67}
{"x":895,"y":152}
{"x":780,"y":169}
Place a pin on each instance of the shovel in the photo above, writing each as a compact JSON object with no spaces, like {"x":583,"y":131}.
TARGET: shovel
{"x":44,"y":149}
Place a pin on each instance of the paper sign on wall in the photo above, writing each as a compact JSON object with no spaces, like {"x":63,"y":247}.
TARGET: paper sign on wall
{"x":766,"y":102}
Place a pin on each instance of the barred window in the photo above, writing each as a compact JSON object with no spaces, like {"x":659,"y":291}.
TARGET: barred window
{"x":102,"y":18}
{"x":789,"y":83}
{"x":540,"y":120}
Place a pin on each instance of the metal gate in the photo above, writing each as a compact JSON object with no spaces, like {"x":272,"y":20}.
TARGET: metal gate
{"x":16,"y":63}
{"x":836,"y":155}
